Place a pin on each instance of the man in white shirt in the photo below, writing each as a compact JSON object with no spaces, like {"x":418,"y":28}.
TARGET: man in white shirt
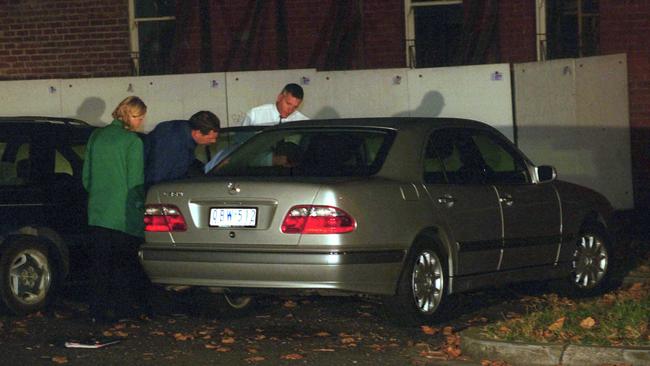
{"x":285,"y":108}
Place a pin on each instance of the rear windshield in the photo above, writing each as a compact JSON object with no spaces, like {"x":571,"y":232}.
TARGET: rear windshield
{"x":309,"y":153}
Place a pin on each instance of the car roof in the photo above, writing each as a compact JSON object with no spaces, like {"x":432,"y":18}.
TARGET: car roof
{"x":45,"y":120}
{"x":396,"y":123}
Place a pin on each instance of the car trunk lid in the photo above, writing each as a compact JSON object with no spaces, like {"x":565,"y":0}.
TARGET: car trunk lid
{"x":267,"y":199}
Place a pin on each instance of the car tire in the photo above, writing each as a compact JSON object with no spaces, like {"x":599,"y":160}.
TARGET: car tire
{"x":591,"y":272}
{"x":422,"y":289}
{"x":27,"y":276}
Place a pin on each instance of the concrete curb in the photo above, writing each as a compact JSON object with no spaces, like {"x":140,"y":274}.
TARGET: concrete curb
{"x":474,"y":345}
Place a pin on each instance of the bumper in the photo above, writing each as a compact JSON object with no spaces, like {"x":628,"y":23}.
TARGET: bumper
{"x":363,"y":272}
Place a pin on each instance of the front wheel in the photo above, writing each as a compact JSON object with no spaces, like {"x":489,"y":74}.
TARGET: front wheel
{"x":26,"y":276}
{"x":421,"y":293}
{"x":591,"y":261}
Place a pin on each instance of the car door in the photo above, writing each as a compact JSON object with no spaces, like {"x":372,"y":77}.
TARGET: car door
{"x":531,"y":212}
{"x":470,"y":206}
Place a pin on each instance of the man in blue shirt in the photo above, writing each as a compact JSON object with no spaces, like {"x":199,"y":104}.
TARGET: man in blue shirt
{"x":169,"y":147}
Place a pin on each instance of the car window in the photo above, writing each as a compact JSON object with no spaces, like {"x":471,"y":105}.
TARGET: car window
{"x":458,"y":156}
{"x":310,"y":153}
{"x":468,"y":156}
{"x":503,"y":164}
{"x":69,"y":160}
{"x":14,"y":162}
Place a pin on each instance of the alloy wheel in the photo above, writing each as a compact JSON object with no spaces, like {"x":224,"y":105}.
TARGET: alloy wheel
{"x":29,"y":276}
{"x":427,"y":282}
{"x":590,"y":261}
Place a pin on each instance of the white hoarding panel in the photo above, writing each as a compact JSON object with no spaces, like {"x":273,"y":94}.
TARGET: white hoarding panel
{"x":30,"y":98}
{"x":359,"y":93}
{"x":573,"y":114}
{"x":480,"y":92}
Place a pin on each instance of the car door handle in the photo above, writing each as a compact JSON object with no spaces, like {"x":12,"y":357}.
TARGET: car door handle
{"x":506,"y":199}
{"x":447,"y":200}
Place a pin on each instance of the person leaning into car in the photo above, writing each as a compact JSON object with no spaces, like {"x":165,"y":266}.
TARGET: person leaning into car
{"x":169,"y":147}
{"x":113,"y":175}
{"x":285,"y":108}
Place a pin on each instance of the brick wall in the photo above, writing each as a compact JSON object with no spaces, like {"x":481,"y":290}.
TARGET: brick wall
{"x":42,"y":39}
{"x":516,"y":30}
{"x":625,"y":26}
{"x":240,"y":41}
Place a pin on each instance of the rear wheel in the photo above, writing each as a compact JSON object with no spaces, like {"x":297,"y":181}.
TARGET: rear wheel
{"x":421,"y":293}
{"x":26,"y":276}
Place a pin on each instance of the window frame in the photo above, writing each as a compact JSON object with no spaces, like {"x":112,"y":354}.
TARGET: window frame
{"x":134,"y":22}
{"x":409,"y":21}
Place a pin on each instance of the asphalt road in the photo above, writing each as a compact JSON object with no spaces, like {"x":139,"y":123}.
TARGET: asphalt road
{"x":191,"y":328}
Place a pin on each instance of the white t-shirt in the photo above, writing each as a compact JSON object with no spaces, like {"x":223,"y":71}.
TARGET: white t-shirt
{"x":268,"y":114}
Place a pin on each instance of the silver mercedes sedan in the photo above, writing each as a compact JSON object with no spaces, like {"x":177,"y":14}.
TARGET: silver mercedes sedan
{"x":413,"y":209}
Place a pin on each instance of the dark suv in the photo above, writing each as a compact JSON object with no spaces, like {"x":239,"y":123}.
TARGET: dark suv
{"x":42,"y":207}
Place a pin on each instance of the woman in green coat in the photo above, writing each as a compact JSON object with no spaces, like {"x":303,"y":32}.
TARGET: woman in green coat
{"x":113,"y":175}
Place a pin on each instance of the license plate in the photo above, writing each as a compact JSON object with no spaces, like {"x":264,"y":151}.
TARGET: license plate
{"x":233,"y":217}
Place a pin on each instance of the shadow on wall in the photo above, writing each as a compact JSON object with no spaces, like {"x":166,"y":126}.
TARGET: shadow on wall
{"x":431,"y":106}
{"x":91,"y":111}
{"x":593,"y":156}
{"x":326,"y":112}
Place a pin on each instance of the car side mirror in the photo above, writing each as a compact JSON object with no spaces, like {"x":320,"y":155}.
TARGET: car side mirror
{"x":545,"y":173}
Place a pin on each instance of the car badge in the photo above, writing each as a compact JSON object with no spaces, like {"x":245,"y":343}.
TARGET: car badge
{"x":233,"y":188}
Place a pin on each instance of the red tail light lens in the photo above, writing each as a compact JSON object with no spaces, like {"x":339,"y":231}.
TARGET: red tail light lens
{"x":309,"y":219}
{"x":163,"y":218}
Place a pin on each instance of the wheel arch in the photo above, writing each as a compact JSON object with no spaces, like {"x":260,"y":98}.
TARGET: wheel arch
{"x":434,"y":236}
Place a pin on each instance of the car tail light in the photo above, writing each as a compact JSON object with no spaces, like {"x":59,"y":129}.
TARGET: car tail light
{"x":309,"y":219}
{"x":163,"y":218}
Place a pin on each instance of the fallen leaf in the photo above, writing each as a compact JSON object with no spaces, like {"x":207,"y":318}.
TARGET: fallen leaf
{"x":157,"y":333}
{"x":122,"y":334}
{"x":429,"y":330}
{"x":347,"y":340}
{"x":504,"y":330}
{"x":182,"y":336}
{"x":292,"y":356}
{"x":322,"y":334}
{"x":228,"y":331}
{"x":60,"y":359}
{"x":453,"y":352}
{"x":223,"y":349}
{"x":557,"y":325}
{"x":324,"y":350}
{"x":587,"y":323}
{"x":227,"y":340}
{"x":289,"y":304}
{"x":447,"y":331}
{"x":211,"y":346}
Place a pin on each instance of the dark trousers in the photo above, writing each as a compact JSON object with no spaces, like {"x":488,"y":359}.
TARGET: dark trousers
{"x":117,"y":278}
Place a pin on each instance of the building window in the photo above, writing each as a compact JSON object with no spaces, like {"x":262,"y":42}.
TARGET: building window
{"x":434,"y":30}
{"x":153,"y":27}
{"x":572,"y":28}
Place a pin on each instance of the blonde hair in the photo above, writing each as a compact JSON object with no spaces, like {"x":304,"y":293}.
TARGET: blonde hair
{"x":130,"y":106}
